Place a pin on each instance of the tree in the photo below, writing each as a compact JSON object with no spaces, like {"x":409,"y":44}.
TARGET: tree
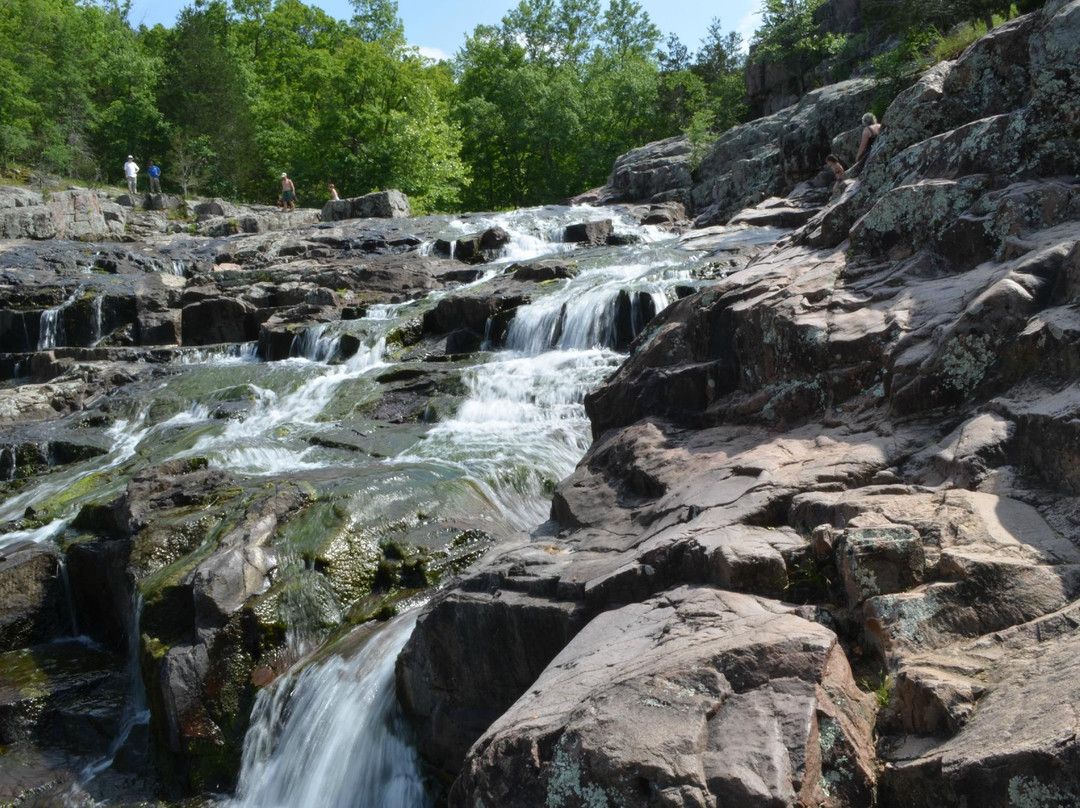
{"x":676,"y":57}
{"x":789,"y":36}
{"x":190,"y":158}
{"x":76,"y":87}
{"x":205,"y":92}
{"x":721,"y":64}
{"x":627,"y":31}
{"x":377,"y":21}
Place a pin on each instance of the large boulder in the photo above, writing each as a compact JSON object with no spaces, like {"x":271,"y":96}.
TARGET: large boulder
{"x":696,"y":698}
{"x":157,"y":305}
{"x":72,"y":214}
{"x":219,"y":319}
{"x":658,"y":172}
{"x":479,"y":248}
{"x":391,"y":204}
{"x":31,"y":597}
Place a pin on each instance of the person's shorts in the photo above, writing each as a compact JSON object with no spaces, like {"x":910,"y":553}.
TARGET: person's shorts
{"x":288,"y":196}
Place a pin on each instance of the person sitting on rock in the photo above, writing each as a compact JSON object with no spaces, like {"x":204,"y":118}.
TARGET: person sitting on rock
{"x":333,"y":192}
{"x":870,"y":132}
{"x":832,"y":162}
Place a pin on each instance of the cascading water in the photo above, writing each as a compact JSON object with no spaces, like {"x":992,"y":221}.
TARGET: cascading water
{"x":136,"y":712}
{"x":253,"y":444}
{"x":244,"y":352}
{"x":51,"y":333}
{"x":487,"y":460}
{"x":332,"y":735}
{"x":96,"y":320}
{"x":314,"y":345}
{"x":520,"y":428}
{"x":125,"y":436}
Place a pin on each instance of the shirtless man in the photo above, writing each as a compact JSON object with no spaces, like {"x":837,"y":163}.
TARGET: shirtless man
{"x":288,"y":192}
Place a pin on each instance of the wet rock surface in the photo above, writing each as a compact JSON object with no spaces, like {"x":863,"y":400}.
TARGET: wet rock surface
{"x":120,"y":359}
{"x":876,"y":420}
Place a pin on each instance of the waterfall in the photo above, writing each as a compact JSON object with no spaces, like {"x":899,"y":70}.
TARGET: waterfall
{"x":382,"y":311}
{"x":136,"y":711}
{"x":332,"y":736}
{"x":125,"y":435}
{"x":500,"y":430}
{"x":313,"y":346}
{"x":521,"y":429}
{"x":243,"y":445}
{"x":69,"y":598}
{"x":96,"y":320}
{"x":242,"y":352}
{"x":51,"y":330}
{"x":522,"y":426}
{"x":605,"y":317}
{"x":38,"y":534}
{"x":51,"y":333}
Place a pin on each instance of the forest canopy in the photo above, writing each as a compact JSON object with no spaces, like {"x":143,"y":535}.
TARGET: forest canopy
{"x":233,"y":93}
{"x":529,"y":111}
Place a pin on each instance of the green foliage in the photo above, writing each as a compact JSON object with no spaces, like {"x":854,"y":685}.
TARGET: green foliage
{"x":73,"y":82}
{"x":237,"y":91}
{"x":900,"y":18}
{"x":881,"y":686}
{"x":790,"y":36}
{"x":898,"y":69}
{"x":699,"y":131}
{"x":550,"y":97}
{"x":721,"y":64}
{"x":956,"y":41}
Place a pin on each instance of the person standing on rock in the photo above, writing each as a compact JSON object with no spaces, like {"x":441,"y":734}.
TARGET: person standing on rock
{"x":288,"y":192}
{"x":155,"y":177}
{"x":131,"y":173}
{"x":333,"y":192}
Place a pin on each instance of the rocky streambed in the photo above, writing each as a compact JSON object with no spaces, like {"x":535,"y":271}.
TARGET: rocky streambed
{"x":823,"y":548}
{"x":220,"y":454}
{"x":741,"y":516}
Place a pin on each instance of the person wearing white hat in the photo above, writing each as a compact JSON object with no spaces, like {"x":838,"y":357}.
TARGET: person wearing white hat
{"x":131,"y":173}
{"x":288,"y":192}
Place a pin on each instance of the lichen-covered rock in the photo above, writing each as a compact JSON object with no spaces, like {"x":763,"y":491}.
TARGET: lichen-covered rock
{"x":878,"y":561}
{"x":658,"y":172}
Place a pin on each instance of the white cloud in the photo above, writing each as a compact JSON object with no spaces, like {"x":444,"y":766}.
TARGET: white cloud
{"x":435,"y":54}
{"x":747,"y":26}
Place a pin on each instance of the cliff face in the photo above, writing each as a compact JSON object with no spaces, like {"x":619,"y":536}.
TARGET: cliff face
{"x":748,"y":163}
{"x":855,"y":461}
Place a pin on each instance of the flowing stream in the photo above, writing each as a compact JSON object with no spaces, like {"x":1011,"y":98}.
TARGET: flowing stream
{"x":328,"y":734}
{"x":333,"y":736}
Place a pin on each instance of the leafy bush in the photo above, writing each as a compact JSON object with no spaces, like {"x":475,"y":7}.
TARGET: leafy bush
{"x":898,"y":69}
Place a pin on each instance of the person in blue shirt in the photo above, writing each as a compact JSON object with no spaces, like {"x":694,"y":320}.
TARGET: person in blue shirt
{"x":155,"y":177}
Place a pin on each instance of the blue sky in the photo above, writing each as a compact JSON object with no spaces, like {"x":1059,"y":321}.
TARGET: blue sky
{"x":438,"y":27}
